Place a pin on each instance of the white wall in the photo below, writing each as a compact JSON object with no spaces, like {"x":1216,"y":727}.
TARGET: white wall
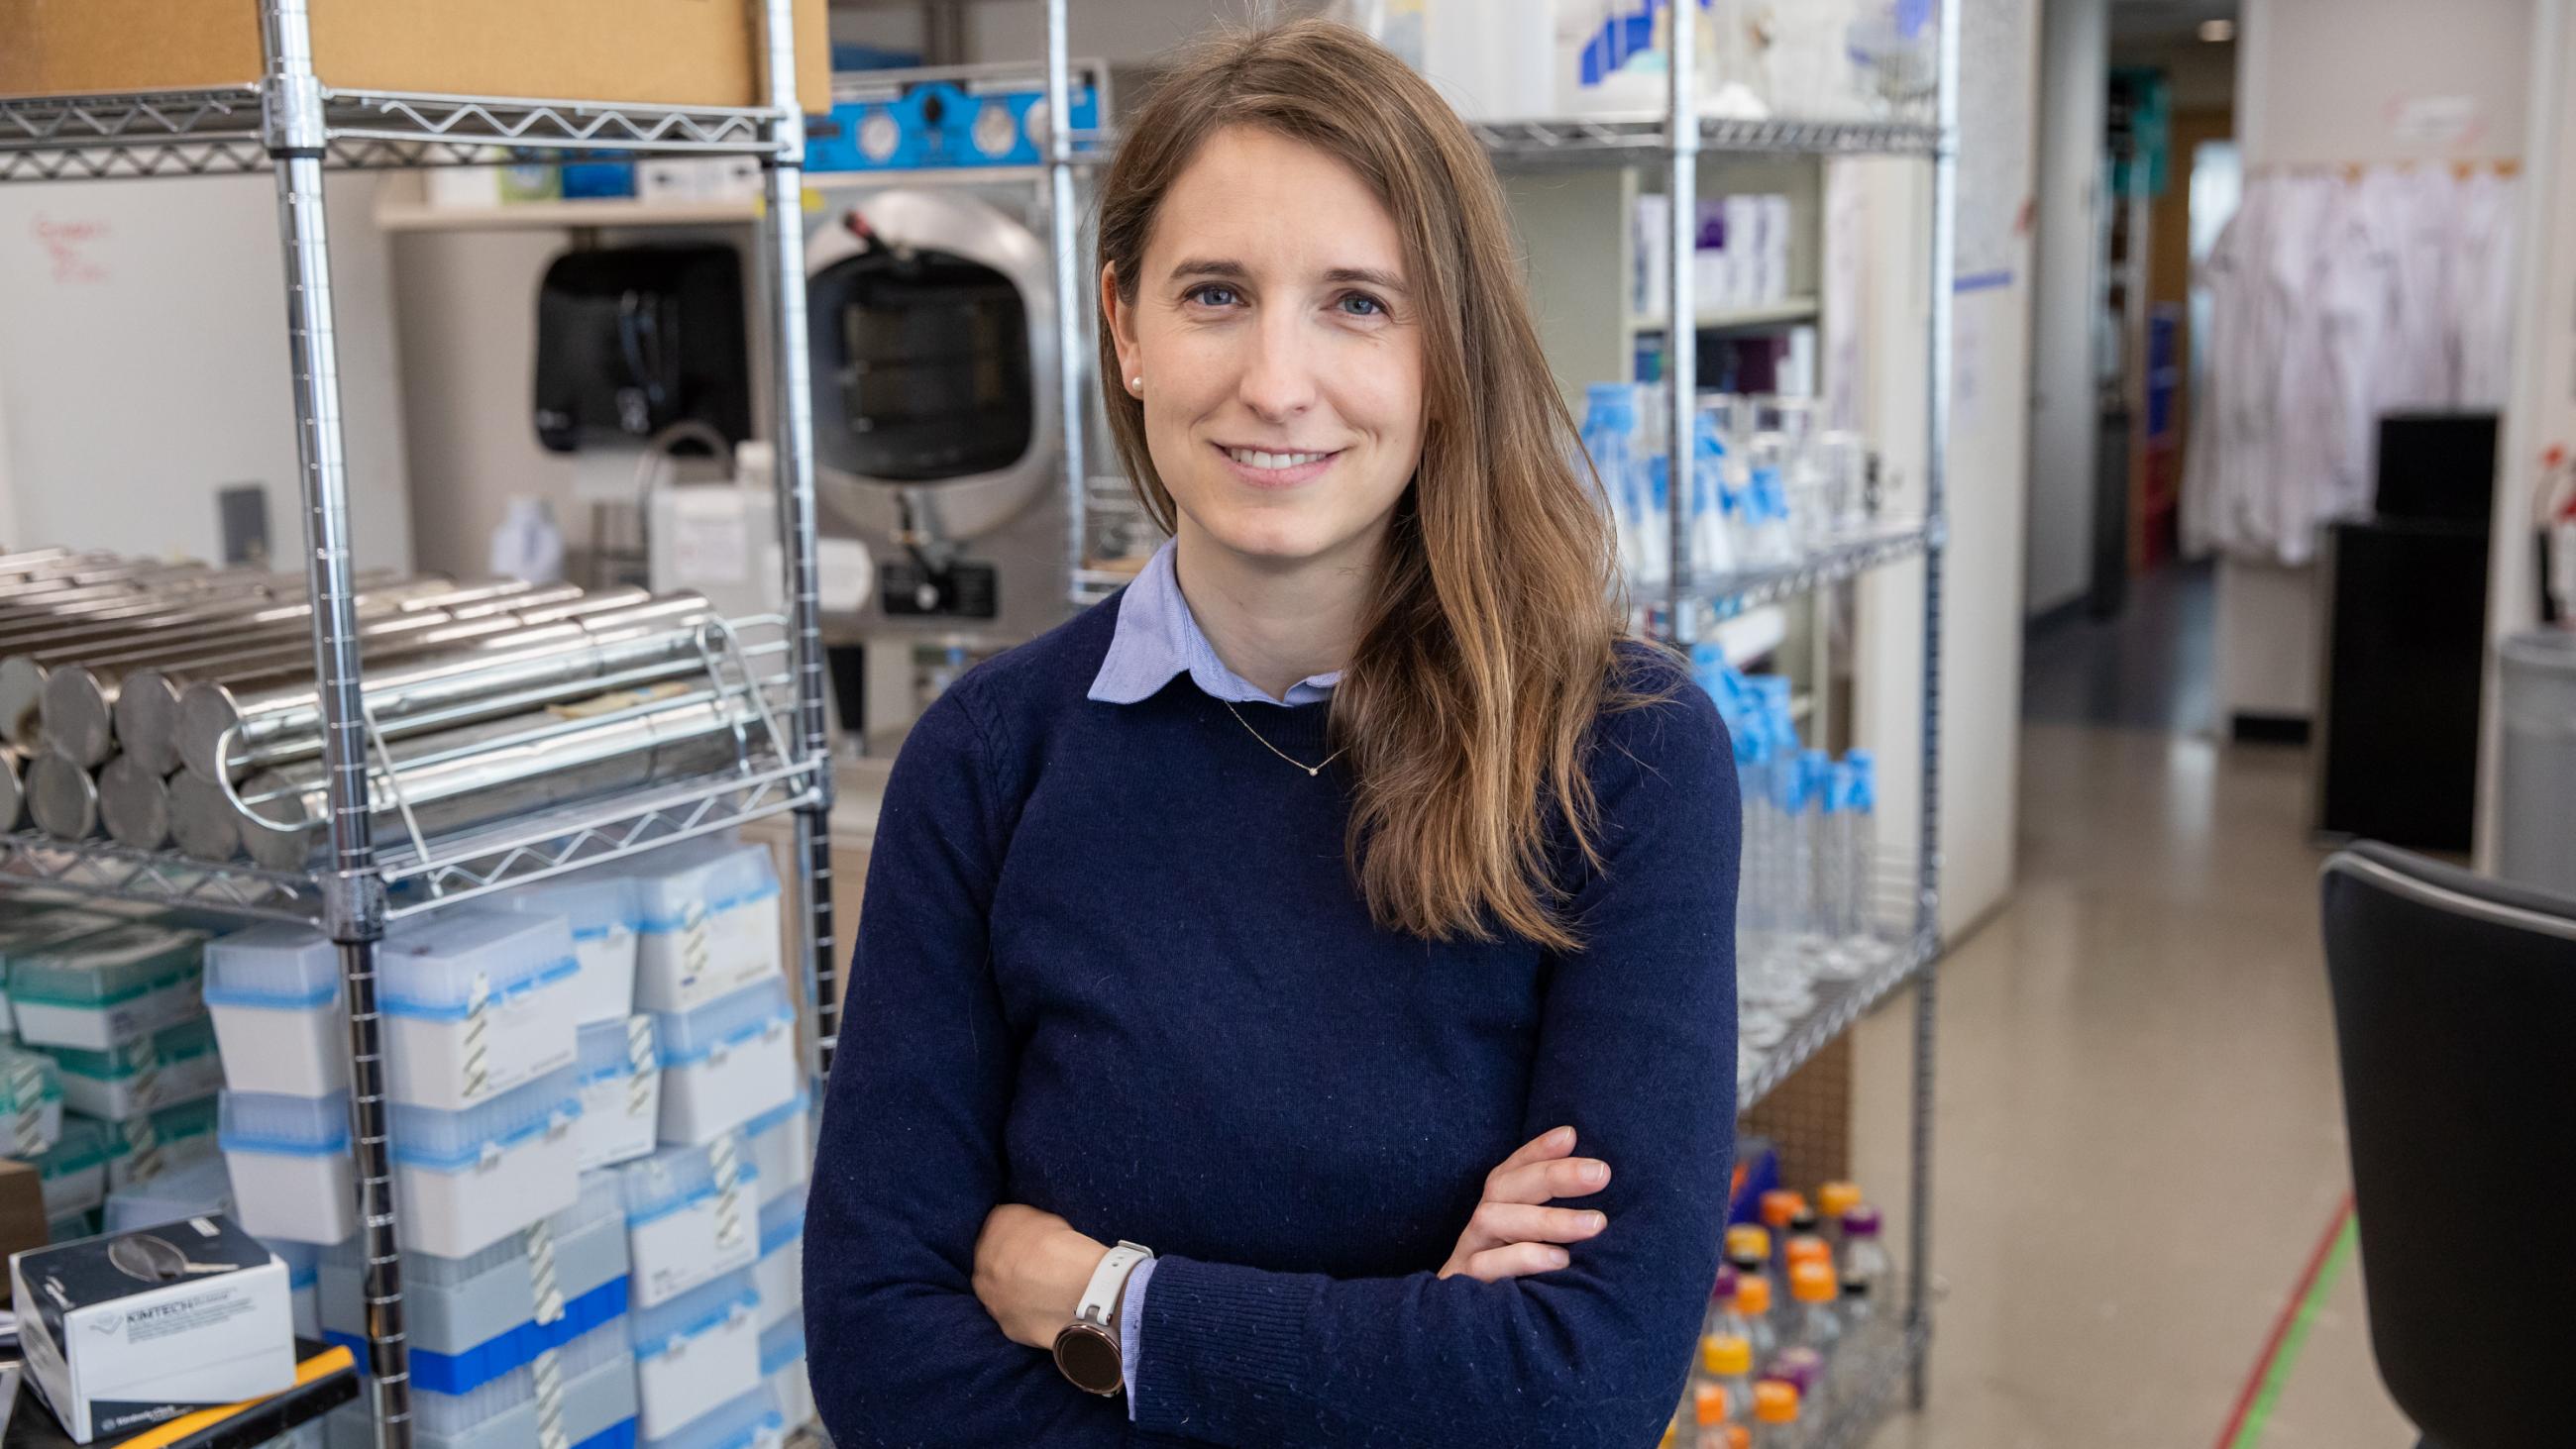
{"x":2065,"y":417}
{"x":1989,"y":464}
{"x":143,"y":365}
{"x":2336,"y":82}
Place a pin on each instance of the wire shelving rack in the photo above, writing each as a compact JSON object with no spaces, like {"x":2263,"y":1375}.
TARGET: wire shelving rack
{"x":292,"y":124}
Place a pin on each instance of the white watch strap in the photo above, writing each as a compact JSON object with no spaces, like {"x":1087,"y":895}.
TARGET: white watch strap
{"x":1101,"y":1297}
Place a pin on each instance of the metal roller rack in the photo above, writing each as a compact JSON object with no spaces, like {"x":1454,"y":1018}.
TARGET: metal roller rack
{"x":291,"y":123}
{"x":1873,"y":1366}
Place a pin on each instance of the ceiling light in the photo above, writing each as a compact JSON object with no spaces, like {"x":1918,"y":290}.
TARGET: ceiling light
{"x":2218,"y":32}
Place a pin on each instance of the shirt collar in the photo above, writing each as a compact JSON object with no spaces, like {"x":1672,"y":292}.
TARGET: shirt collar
{"x":1157,"y":637}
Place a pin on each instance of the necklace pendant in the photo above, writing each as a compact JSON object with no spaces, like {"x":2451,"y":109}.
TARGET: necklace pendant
{"x":1313,"y":770}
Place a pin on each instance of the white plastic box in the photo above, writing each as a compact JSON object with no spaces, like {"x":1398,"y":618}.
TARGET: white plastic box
{"x":782,"y":1146}
{"x":696,"y":1354}
{"x":780,"y":1273}
{"x":26,"y":928}
{"x":727,"y":1063}
{"x":108,"y":987}
{"x":465,"y":1180}
{"x":782,"y":1364}
{"x":290,"y":1167}
{"x":31,"y":1103}
{"x":143,"y":1147}
{"x":476,"y":1003}
{"x":199,"y":1189}
{"x":303,"y":1283}
{"x":692,"y":1215}
{"x":621,"y":1092}
{"x":274,"y":994}
{"x":706,"y":923}
{"x":750,"y":1422}
{"x":599,"y":910}
{"x":597,"y":1379}
{"x":176,"y":1064}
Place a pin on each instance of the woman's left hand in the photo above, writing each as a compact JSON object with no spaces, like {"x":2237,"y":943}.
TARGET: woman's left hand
{"x":1030,"y":1270}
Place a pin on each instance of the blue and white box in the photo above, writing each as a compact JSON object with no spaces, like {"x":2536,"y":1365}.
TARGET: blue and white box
{"x":476,"y":1003}
{"x":274,"y":994}
{"x":599,"y":909}
{"x":692,"y":1215}
{"x":695,"y":1354}
{"x":289,"y":1162}
{"x":707,"y":923}
{"x":727,"y":1063}
{"x":621,"y":1092}
{"x":466,"y":1180}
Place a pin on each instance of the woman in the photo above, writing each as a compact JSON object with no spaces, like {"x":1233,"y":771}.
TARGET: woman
{"x":1300,"y":913}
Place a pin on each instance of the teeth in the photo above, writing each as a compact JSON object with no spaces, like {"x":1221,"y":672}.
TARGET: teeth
{"x":1254,"y":458}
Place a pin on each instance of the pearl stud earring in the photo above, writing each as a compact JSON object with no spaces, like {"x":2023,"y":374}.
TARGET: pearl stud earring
{"x":1136,"y":384}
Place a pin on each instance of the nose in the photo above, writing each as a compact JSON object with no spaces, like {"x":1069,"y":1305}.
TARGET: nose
{"x":1278,"y":380}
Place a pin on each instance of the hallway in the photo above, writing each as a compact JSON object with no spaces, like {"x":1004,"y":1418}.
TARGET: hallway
{"x":2146,"y":1016}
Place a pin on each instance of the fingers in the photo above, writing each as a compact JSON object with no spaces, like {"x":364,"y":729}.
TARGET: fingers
{"x":1515,"y":1260}
{"x":1537,"y":1182}
{"x":1553,"y":1143}
{"x":1498,"y":1223}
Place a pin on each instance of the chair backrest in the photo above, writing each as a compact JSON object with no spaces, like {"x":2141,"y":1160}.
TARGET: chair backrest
{"x":2455,"y":1016}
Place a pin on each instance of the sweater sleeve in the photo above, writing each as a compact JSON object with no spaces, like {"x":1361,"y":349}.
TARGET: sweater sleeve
{"x":910,"y":1159}
{"x":1637,"y":1050}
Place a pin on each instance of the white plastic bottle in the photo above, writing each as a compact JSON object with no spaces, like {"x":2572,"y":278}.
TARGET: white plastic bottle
{"x":1860,"y":812}
{"x":1609,"y":433}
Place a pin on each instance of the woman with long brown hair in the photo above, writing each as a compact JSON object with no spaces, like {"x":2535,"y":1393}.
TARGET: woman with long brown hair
{"x":1322,"y":919}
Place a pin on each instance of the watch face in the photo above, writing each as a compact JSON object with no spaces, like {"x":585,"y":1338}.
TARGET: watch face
{"x":1089,"y":1357}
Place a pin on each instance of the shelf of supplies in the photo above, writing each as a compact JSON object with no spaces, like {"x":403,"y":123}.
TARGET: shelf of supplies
{"x":1592,"y":140}
{"x":458,"y":868}
{"x":1787,"y":312}
{"x":1737,"y":590}
{"x":1838,"y":1004}
{"x":406,"y":216}
{"x":220,"y":130}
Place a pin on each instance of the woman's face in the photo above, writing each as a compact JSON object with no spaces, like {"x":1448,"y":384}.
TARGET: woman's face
{"x":1280,"y":352}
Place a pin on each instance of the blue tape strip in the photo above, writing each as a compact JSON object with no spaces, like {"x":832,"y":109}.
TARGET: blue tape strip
{"x":620,"y":1435}
{"x":270,"y":1000}
{"x":668,"y":925}
{"x":749,"y":1031}
{"x":562,"y":969}
{"x":517,"y":1346}
{"x":569,"y":1108}
{"x":747,"y":1301}
{"x":744,"y":1175}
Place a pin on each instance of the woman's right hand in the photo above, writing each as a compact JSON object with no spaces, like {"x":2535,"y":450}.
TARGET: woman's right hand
{"x":1513,"y":1233}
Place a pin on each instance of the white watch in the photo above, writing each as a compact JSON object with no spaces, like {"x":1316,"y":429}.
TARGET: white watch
{"x":1086,"y":1352}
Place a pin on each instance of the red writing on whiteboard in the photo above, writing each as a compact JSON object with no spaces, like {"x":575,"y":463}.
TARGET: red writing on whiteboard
{"x":67,"y":245}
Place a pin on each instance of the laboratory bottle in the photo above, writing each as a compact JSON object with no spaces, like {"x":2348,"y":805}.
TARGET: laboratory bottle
{"x":1815,"y":771}
{"x":1754,"y":1303}
{"x":1608,"y":436}
{"x":1842,"y":468}
{"x":1726,"y":1360}
{"x":1807,"y":1225}
{"x":1721,"y":1302}
{"x":1775,"y":1415}
{"x":1654,"y":562}
{"x":1712,"y":544}
{"x":1801,"y":1369}
{"x":1709,"y":1404}
{"x":1865,"y":1252}
{"x":1779,"y":1207}
{"x":1748,"y":1252}
{"x":1856,"y":1304}
{"x":1833,"y":1199}
{"x":1860,"y":809}
{"x":1771,"y":537}
{"x":1819,"y":1328}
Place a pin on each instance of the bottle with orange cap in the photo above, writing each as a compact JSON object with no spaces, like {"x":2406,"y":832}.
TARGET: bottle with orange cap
{"x":1726,"y":1362}
{"x":1819,"y":1329}
{"x":1834,"y":1199}
{"x":1709,"y":1406}
{"x":1775,"y":1415}
{"x":1780,"y":1207}
{"x":1754,"y":1305}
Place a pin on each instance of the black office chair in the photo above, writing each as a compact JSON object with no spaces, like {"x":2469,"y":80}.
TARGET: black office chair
{"x":2455,"y":1015}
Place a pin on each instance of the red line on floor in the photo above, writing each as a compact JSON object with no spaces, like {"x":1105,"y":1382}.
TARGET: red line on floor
{"x":2281,"y":1325}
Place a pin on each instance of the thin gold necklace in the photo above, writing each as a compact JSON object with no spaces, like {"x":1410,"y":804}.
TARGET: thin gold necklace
{"x":1311,"y":770}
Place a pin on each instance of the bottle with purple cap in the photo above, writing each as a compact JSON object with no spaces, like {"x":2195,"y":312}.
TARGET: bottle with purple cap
{"x":1865,"y":1254}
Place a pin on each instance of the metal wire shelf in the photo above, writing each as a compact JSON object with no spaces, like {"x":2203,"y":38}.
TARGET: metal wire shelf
{"x":223,"y":130}
{"x":1839,"y":1004}
{"x":1730,"y":593}
{"x":1868,"y":1372}
{"x":1594,"y":139}
{"x":459,"y":868}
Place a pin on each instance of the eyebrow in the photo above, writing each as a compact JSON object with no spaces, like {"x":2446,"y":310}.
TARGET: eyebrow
{"x":1237,"y":272}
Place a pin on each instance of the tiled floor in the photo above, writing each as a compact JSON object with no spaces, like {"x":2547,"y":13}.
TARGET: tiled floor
{"x":2139,"y":1138}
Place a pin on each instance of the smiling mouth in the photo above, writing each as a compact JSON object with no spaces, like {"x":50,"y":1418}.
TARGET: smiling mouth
{"x":1266,"y":461}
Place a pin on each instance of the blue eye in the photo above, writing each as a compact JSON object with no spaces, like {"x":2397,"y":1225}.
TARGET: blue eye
{"x":1213,"y":294}
{"x":1361,"y":304}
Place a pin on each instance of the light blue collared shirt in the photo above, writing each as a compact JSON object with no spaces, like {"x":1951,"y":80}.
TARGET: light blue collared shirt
{"x":1157,"y":637}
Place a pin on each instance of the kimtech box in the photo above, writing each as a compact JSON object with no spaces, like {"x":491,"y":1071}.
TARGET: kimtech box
{"x":127,"y":1331}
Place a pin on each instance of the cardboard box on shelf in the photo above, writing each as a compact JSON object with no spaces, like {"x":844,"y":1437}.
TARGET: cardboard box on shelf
{"x":674,"y":52}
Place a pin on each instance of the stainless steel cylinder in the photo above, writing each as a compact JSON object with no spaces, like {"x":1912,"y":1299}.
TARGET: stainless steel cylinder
{"x":277,"y":725}
{"x":121,"y":623}
{"x":459,"y":779}
{"x":63,"y":798}
{"x":13,"y":791}
{"x":134,"y":804}
{"x":203,"y":824}
{"x":78,"y":696}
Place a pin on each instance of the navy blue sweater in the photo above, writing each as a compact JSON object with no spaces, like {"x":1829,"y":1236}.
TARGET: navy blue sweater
{"x":1112,"y":965}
